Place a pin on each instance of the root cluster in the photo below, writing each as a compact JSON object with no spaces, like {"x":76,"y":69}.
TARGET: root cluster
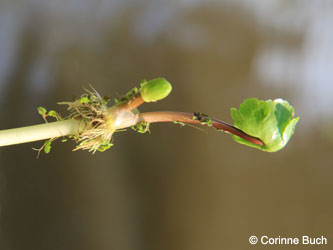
{"x":98,"y":125}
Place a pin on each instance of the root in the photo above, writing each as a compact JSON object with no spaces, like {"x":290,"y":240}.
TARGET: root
{"x":98,"y":129}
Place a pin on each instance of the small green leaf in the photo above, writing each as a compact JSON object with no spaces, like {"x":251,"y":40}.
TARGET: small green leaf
{"x":41,"y":110}
{"x":84,"y":99}
{"x":52,"y":113}
{"x":116,"y":101}
{"x":180,"y":123}
{"x":270,"y":121}
{"x":141,"y":127}
{"x":202,"y":118}
{"x":106,"y":99}
{"x":47,"y":146}
{"x":130,"y":94}
{"x":143,"y":82}
{"x":155,"y":90}
{"x":207,"y":121}
{"x":104,"y":146}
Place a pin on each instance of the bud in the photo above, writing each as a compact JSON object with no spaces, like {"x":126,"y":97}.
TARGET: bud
{"x":155,"y":90}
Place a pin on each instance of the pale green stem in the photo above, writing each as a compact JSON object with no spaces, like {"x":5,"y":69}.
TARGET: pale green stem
{"x":39,"y":132}
{"x":122,"y":117}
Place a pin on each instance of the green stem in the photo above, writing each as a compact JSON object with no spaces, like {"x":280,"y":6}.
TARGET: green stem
{"x":39,"y":132}
{"x":122,"y":117}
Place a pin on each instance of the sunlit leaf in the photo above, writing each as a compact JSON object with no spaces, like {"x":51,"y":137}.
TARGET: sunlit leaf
{"x":270,"y":121}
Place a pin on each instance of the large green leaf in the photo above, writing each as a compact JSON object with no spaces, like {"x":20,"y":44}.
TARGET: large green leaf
{"x":271,"y":121}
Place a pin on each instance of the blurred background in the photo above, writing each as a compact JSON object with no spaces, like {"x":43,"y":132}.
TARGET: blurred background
{"x":177,"y":188}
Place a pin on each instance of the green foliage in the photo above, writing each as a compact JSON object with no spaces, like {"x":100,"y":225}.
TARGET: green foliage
{"x":155,"y":90}
{"x":180,"y":123}
{"x":41,"y":110}
{"x":84,"y":99}
{"x":202,"y":118}
{"x":271,"y":121}
{"x":104,"y":146}
{"x":106,"y":99}
{"x":126,"y":98}
{"x":47,"y":146}
{"x":116,"y":101}
{"x":54,"y":114}
{"x":141,"y":127}
{"x":130,"y":94}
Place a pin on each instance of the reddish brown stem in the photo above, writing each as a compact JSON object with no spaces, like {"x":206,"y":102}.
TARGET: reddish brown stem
{"x":132,"y":104}
{"x":170,"y":116}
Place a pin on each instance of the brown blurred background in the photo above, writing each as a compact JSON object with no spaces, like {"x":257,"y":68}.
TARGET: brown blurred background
{"x":177,"y":188}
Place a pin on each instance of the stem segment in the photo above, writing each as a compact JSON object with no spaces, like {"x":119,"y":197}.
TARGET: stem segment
{"x":126,"y":119}
{"x":170,"y":116}
{"x":39,"y":132}
{"x":132,"y":104}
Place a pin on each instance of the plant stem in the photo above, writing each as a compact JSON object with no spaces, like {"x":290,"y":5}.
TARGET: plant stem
{"x":132,"y":104}
{"x":40,"y":132}
{"x":66,"y":127}
{"x":123,"y":118}
{"x":171,"y":116}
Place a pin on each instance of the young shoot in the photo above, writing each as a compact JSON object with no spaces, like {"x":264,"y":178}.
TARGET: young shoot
{"x":92,"y":122}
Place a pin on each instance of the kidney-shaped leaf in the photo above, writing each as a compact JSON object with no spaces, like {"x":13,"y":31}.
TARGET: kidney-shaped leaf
{"x":270,"y":121}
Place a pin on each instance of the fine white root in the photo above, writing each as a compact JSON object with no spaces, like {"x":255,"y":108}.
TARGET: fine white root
{"x":91,"y":109}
